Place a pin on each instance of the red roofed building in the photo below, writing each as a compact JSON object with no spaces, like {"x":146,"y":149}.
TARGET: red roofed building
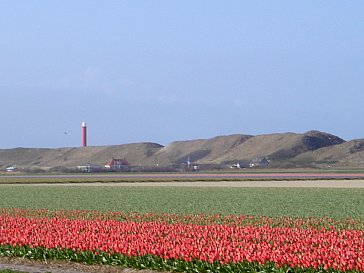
{"x":117,"y":164}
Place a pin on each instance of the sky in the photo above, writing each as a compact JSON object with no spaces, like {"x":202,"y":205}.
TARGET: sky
{"x":168,"y":70}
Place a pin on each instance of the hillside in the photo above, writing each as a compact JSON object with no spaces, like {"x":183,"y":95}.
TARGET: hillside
{"x":203,"y":151}
{"x":349,"y":153}
{"x":312,"y":148}
{"x":71,"y":157}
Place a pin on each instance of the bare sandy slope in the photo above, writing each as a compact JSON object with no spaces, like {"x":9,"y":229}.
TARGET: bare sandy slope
{"x":322,"y":183}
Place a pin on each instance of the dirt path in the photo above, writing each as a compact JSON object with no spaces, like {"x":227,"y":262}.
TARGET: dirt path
{"x":322,"y":183}
{"x":30,"y":266}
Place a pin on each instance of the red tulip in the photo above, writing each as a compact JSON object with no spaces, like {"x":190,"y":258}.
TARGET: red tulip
{"x":296,"y":246}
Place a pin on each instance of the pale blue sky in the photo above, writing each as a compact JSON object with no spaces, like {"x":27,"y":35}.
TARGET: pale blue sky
{"x":160,"y":71}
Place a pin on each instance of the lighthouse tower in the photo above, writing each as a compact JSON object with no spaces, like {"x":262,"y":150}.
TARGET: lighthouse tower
{"x":84,"y":134}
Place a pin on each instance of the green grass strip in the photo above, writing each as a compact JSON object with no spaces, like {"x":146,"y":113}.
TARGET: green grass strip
{"x":271,"y":202}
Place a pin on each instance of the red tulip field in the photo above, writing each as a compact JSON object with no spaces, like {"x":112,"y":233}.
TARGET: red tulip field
{"x":185,"y":243}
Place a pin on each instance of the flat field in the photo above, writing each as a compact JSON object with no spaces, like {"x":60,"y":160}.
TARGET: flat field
{"x":333,"y":197}
{"x":337,"y":203}
{"x":258,"y":175}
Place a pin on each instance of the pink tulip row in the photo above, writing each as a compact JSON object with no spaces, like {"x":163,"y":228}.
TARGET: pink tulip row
{"x":296,"y":247}
{"x":198,"y":219}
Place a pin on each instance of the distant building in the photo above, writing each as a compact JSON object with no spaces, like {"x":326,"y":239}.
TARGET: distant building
{"x":235,"y":166}
{"x":87,"y":168}
{"x":259,"y":162}
{"x":11,"y":169}
{"x":90,"y":168}
{"x":117,"y":165}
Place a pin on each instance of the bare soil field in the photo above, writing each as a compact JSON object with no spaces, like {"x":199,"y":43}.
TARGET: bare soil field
{"x":29,"y":266}
{"x":322,"y":183}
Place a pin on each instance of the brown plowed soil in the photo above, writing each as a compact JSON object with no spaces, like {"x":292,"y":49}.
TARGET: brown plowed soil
{"x":321,"y":183}
{"x":29,"y":266}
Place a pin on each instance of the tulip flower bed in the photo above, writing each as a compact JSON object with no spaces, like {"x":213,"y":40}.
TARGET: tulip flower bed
{"x":185,"y":243}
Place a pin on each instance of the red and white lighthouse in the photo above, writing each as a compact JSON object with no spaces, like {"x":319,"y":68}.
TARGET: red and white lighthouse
{"x":84,"y":134}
